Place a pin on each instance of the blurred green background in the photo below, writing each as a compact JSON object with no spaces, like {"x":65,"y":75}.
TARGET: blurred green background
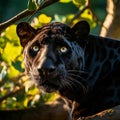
{"x":9,"y":8}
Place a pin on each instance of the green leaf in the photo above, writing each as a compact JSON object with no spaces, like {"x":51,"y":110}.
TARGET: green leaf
{"x":35,"y":4}
{"x":33,"y":90}
{"x":3,"y":73}
{"x":3,"y":41}
{"x":12,"y":72}
{"x":65,"y":1}
{"x":18,"y":65}
{"x":59,"y":18}
{"x":10,"y":52}
{"x":44,"y":19}
{"x":10,"y":33}
{"x":47,"y":97}
{"x":32,"y":5}
{"x":79,"y":2}
{"x":88,"y":17}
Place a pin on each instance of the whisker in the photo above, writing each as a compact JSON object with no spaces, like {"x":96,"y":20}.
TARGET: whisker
{"x":78,"y":71}
{"x":74,"y":75}
{"x":73,"y":80}
{"x":67,"y":83}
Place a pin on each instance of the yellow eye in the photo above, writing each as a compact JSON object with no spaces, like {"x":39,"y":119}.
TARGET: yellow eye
{"x":36,"y":48}
{"x":63,"y":49}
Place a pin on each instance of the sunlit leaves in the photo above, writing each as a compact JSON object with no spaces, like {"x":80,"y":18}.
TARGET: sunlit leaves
{"x":87,"y":15}
{"x":9,"y":103}
{"x":44,"y":19}
{"x":79,"y":2}
{"x":32,"y":95}
{"x":18,"y":65}
{"x":11,"y":70}
{"x":10,"y":52}
{"x":11,"y":64}
{"x":48,"y":97}
{"x":41,"y":20}
{"x":10,"y":33}
{"x":65,"y":1}
{"x":59,"y":18}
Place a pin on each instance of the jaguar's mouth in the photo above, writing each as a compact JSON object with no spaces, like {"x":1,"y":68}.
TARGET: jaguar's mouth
{"x":48,"y":87}
{"x":49,"y":84}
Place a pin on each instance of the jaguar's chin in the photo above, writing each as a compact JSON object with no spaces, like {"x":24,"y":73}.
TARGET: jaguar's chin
{"x":50,"y":84}
{"x":48,"y":88}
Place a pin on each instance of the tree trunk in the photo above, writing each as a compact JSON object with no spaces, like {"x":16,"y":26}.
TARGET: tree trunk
{"x":111,"y":25}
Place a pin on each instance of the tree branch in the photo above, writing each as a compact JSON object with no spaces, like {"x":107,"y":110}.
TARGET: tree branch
{"x":15,"y":91}
{"x":24,"y":14}
{"x":87,"y":6}
{"x":16,"y":88}
{"x":78,"y":14}
{"x":109,"y":114}
{"x":110,"y":27}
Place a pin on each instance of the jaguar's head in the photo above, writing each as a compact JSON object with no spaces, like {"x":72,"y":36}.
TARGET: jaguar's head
{"x":53,"y":54}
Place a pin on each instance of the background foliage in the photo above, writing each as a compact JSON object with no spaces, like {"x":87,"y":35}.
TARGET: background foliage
{"x":16,"y":90}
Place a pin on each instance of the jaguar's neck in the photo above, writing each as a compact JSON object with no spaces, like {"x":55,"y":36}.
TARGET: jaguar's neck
{"x":100,"y":54}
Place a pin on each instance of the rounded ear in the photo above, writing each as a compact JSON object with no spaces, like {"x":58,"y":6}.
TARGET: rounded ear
{"x":81,"y":29}
{"x":25,"y":32}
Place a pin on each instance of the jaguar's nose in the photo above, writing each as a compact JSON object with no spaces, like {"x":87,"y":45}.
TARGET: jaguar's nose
{"x":47,"y":68}
{"x":46,"y":71}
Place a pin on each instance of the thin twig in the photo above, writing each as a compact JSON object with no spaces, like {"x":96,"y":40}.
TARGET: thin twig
{"x":87,"y":6}
{"x":12,"y":93}
{"x":93,"y":14}
{"x":24,"y":14}
{"x":78,"y":14}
